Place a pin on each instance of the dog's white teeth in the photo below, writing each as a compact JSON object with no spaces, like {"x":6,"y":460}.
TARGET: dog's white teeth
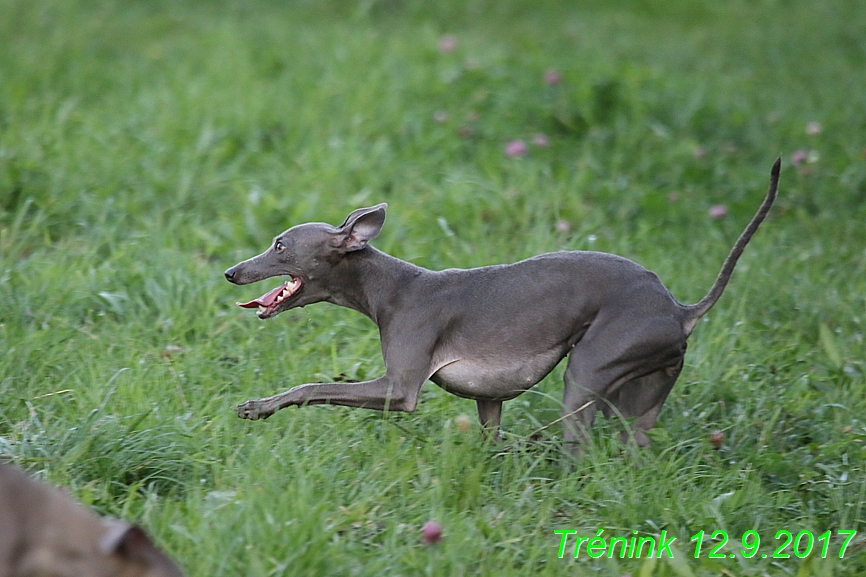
{"x":262,"y":309}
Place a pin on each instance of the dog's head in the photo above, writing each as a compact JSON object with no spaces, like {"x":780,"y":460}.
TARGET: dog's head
{"x":307,"y":254}
{"x":43,"y":532}
{"x":122,"y":550}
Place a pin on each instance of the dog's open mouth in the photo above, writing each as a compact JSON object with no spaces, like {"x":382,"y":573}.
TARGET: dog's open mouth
{"x":270,"y":301}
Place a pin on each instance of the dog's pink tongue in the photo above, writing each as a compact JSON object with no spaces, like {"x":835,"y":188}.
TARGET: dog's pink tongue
{"x":265,"y":300}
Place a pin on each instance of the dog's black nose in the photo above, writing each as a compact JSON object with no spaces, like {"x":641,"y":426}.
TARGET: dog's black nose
{"x":230,"y":274}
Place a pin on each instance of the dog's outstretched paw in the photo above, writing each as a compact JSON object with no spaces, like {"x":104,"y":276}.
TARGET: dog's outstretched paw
{"x":254,"y":410}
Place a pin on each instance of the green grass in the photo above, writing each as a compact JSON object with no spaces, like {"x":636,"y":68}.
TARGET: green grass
{"x":147,"y":146}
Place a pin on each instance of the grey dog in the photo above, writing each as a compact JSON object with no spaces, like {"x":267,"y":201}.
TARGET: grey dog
{"x":490,"y":333}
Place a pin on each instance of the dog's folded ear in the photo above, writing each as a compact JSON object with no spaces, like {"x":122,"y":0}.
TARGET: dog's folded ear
{"x":360,"y":227}
{"x":133,"y":544}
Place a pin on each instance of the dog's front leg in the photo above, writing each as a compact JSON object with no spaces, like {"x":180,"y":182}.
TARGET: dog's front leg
{"x":383,"y":394}
{"x":489,"y":413}
{"x":407,"y":352}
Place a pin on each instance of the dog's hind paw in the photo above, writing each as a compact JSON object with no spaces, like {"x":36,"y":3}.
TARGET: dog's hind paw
{"x":254,"y":410}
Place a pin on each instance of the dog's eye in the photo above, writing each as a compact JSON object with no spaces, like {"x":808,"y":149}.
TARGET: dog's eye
{"x":279,"y":246}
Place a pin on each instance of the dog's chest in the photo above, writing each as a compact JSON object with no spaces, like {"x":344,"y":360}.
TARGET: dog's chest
{"x":499,"y":378}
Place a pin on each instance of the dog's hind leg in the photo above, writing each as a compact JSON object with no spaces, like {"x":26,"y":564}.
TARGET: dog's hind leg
{"x":643,"y":398}
{"x":615,"y":361}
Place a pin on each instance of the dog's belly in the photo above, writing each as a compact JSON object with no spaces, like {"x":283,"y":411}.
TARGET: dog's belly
{"x":497,"y":379}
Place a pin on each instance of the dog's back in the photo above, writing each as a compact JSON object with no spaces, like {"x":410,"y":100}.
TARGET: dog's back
{"x":43,"y":533}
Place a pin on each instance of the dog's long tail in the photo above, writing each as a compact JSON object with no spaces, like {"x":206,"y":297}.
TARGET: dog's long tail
{"x":696,"y":311}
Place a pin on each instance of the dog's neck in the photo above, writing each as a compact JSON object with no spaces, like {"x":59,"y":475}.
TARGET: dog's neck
{"x":368,"y":279}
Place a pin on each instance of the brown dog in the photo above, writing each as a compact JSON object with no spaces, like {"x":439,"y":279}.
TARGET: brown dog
{"x":43,"y":533}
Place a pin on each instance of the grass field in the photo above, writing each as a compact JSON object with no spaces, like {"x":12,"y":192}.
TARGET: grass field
{"x":145,"y":147}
